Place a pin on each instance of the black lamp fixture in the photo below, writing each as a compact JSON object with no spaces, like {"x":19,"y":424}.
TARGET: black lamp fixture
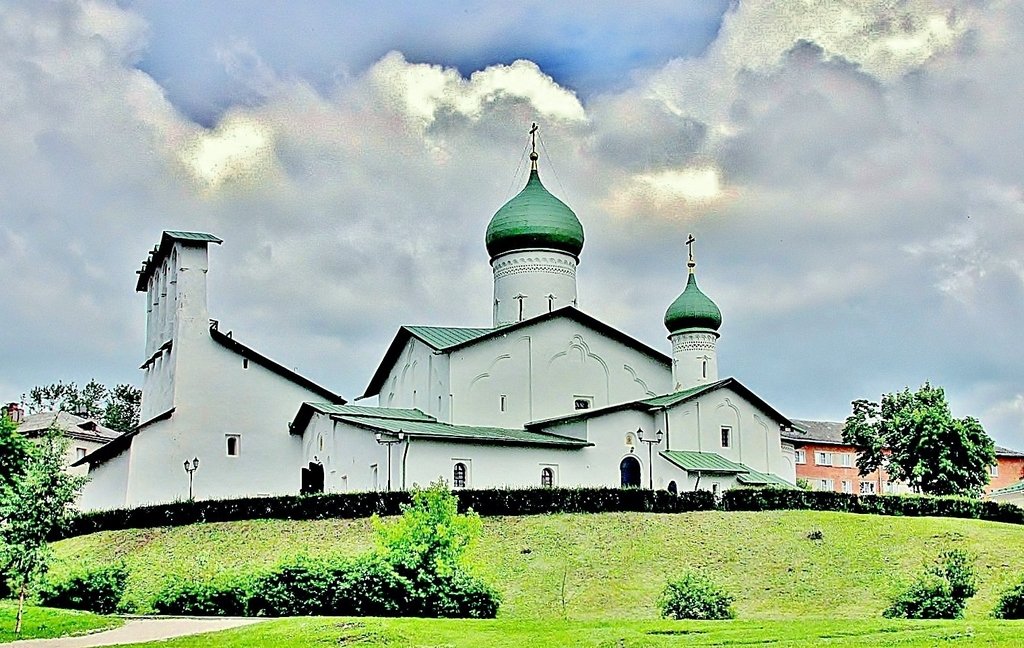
{"x":389,"y":441}
{"x":191,"y":467}
{"x":650,"y":452}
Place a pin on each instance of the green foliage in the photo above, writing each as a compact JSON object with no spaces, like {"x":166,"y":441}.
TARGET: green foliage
{"x":695,"y":596}
{"x":34,"y":507}
{"x":1011,"y":603}
{"x":14,"y":451}
{"x":189,"y":596}
{"x":117,"y":408}
{"x":940,"y":592}
{"x":97,"y":590}
{"x":803,"y":484}
{"x":914,"y":437}
{"x":431,"y":536}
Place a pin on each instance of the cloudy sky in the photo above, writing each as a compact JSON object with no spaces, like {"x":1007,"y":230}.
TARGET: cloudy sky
{"x":852,"y":171}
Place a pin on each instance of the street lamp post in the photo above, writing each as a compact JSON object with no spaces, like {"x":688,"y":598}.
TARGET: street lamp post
{"x":650,"y":451}
{"x":390,"y":441}
{"x":191,"y":467}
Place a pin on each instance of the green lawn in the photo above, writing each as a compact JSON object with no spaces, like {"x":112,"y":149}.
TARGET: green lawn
{"x":613,"y":565}
{"x":508,"y":633}
{"x":43,"y":623}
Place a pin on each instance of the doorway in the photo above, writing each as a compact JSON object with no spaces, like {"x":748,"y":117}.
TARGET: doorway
{"x":629,"y":472}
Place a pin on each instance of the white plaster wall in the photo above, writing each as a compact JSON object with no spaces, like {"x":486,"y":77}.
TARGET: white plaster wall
{"x":349,"y":454}
{"x":418,"y":379}
{"x":541,"y":369}
{"x":107,"y":486}
{"x":72,"y":455}
{"x":694,"y":358}
{"x":534,"y":274}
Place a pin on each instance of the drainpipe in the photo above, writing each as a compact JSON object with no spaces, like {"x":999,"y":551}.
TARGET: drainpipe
{"x":696,"y":485}
{"x":405,"y":455}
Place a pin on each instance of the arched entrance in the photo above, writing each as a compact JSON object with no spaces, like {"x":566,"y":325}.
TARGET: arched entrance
{"x":629,"y":471}
{"x":312,"y":479}
{"x":672,"y":488}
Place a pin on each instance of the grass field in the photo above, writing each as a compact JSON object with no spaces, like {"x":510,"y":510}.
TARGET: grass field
{"x":43,"y":623}
{"x":423,"y":633}
{"x":613,"y":565}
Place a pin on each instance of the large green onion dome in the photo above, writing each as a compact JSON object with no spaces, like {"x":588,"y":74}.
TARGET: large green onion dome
{"x":534,"y":219}
{"x":692,"y":309}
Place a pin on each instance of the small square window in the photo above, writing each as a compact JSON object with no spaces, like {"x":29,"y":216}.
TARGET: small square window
{"x":726,"y":437}
{"x":582,"y":403}
{"x":80,"y":453}
{"x":234,"y":442}
{"x":801,"y":456}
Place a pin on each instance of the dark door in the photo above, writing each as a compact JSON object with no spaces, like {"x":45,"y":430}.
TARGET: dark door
{"x":312,"y":479}
{"x":629,"y":471}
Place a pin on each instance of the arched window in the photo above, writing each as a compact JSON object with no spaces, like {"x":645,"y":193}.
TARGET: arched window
{"x":459,"y":475}
{"x":672,"y":488}
{"x":547,"y":478}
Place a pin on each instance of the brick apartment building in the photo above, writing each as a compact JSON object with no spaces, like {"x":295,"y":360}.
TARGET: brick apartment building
{"x":827,"y":463}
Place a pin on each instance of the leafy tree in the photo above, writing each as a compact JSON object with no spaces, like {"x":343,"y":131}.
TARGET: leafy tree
{"x":14,"y":450}
{"x":117,"y":408}
{"x":915,"y":438}
{"x":33,"y":506}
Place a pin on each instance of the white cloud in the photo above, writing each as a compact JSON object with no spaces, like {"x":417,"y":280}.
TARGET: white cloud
{"x":238,"y":148}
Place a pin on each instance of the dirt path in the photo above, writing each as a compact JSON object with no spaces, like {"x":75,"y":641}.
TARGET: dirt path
{"x":137,"y":631}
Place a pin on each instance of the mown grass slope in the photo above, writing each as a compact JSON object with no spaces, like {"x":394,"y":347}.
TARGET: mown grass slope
{"x":44,"y":623}
{"x":611,"y":566}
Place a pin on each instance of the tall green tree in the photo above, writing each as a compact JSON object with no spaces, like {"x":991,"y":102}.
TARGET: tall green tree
{"x":914,"y":437}
{"x":117,"y":408}
{"x":33,"y":507}
{"x":14,"y":450}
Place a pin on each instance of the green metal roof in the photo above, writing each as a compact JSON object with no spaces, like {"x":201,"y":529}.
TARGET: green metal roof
{"x":692,"y":309}
{"x":397,"y":413}
{"x":192,"y":236}
{"x":755,"y":478}
{"x":167,"y":240}
{"x":692,"y":461}
{"x":1006,"y":490}
{"x":667,"y":400}
{"x":437,"y":430}
{"x":442,"y":337}
{"x":534,"y":219}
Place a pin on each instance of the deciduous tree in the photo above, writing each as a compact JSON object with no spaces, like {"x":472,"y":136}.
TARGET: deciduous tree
{"x":117,"y":408}
{"x":915,"y":438}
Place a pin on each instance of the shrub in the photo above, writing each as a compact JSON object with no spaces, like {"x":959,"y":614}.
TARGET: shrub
{"x":98,"y":590}
{"x":940,"y":592}
{"x":369,"y":586}
{"x":1011,"y":603}
{"x":180,"y":596}
{"x":300,"y":587}
{"x":694,"y":596}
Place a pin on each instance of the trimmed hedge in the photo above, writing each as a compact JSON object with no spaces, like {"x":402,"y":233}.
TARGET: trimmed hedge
{"x":529,"y":501}
{"x":774,"y":499}
{"x":538,"y":501}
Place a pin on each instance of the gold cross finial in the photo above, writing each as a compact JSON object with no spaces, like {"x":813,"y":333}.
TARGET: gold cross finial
{"x":533,"y":146}
{"x":691,"y":264}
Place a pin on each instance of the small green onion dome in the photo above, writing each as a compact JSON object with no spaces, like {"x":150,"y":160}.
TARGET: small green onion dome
{"x":534,"y":219}
{"x":692,"y":309}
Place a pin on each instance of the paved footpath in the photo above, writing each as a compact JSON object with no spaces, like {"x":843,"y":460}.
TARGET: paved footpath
{"x":137,"y":631}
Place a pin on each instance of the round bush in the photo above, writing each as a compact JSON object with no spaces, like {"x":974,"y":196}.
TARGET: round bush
{"x":98,"y":590}
{"x":191,"y":597}
{"x":1011,"y":604}
{"x":694,"y":596}
{"x":940,"y":592}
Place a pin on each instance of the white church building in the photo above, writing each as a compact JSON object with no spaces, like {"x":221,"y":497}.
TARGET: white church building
{"x":546,"y":396}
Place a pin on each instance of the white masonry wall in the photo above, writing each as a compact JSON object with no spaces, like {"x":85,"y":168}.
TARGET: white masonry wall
{"x":419,"y":379}
{"x":529,"y":283}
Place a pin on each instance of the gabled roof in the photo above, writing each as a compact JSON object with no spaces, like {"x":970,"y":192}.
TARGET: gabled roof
{"x":306,"y":411}
{"x":164,"y":248}
{"x":1007,"y":490}
{"x":704,"y":462}
{"x":665,"y":401}
{"x":755,"y":478}
{"x":831,"y":433}
{"x":228,"y":342}
{"x":76,"y":427}
{"x":448,"y":339}
{"x":468,"y":433}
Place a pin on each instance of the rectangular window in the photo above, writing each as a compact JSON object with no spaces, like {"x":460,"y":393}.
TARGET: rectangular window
{"x":582,"y":402}
{"x":80,"y":454}
{"x":993,"y":470}
{"x":502,"y":403}
{"x":801,"y":456}
{"x":823,"y":458}
{"x":867,"y":488}
{"x":846,"y":460}
{"x":726,"y":436}
{"x":826,"y":484}
{"x":847,"y":486}
{"x":234,"y":442}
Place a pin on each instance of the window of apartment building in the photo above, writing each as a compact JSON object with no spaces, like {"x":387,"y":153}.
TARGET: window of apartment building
{"x":823,"y":458}
{"x":726,"y":437}
{"x":993,"y":470}
{"x":80,"y":454}
{"x":847,"y":486}
{"x":846,"y":460}
{"x":801,"y":456}
{"x":582,"y":402}
{"x":234,"y":443}
{"x":867,"y":488}
{"x":826,"y":484}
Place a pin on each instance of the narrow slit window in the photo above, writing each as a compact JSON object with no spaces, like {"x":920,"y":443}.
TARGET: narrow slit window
{"x":726,"y":437}
{"x":234,"y":443}
{"x":503,"y":403}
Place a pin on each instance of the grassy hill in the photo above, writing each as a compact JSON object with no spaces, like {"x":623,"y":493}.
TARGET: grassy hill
{"x":612,"y":565}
